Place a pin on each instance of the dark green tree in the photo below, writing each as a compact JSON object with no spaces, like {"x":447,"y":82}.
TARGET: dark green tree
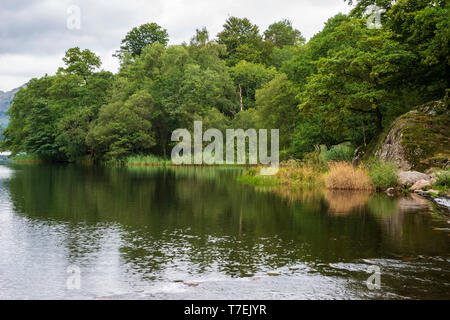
{"x":283,"y":34}
{"x":243,"y":42}
{"x":140,"y":37}
{"x":80,"y":62}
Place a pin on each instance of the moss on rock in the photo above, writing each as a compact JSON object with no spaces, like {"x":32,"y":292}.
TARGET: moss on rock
{"x":419,"y":139}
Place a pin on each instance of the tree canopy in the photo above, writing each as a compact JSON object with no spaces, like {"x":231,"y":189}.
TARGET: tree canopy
{"x":140,"y":37}
{"x":345,"y":84}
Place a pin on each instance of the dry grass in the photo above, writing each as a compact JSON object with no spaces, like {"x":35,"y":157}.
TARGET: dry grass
{"x":299,"y":175}
{"x":344,"y":176}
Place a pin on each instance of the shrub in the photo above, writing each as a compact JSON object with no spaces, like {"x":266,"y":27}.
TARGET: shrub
{"x":26,"y":157}
{"x":344,"y":176}
{"x":442,"y":180}
{"x":383,"y":174}
{"x":340,"y":152}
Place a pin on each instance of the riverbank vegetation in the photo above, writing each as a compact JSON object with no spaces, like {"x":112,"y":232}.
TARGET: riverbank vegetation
{"x":341,"y":90}
{"x":335,"y":175}
{"x":442,"y":182}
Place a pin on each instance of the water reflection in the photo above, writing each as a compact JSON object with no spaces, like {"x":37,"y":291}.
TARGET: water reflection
{"x":151,"y":229}
{"x":344,"y":202}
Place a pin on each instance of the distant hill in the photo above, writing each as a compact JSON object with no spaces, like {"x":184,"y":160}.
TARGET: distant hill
{"x":5,"y":103}
{"x":5,"y":100}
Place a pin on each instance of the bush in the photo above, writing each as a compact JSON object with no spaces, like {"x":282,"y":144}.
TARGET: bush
{"x":383,"y":174}
{"x":340,"y":152}
{"x":344,"y":176}
{"x":26,"y":157}
{"x":442,"y":180}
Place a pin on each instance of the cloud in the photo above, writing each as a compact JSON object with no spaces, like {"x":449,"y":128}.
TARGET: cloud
{"x":34,"y":34}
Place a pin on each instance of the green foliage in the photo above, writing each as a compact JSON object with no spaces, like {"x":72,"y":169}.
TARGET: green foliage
{"x":140,"y":37}
{"x":146,"y":160}
{"x":246,"y":119}
{"x":276,"y":108}
{"x":26,"y":157}
{"x":180,"y":84}
{"x":283,"y":34}
{"x":124,"y":127}
{"x":243,"y":42}
{"x":353,"y":84}
{"x":340,"y":152}
{"x":442,"y":182}
{"x":51,"y":115}
{"x":346,"y":84}
{"x":248,"y":78}
{"x":80,"y":62}
{"x":383,"y":174}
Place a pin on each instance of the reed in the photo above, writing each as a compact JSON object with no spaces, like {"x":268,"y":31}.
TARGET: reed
{"x":344,"y":176}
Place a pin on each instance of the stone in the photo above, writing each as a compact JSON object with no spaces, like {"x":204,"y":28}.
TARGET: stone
{"x":359,"y":153}
{"x":390,"y":191}
{"x":418,"y":139}
{"x":420,"y":185}
{"x":409,"y":178}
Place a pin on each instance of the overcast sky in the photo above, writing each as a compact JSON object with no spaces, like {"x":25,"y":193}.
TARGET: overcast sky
{"x":34,"y":34}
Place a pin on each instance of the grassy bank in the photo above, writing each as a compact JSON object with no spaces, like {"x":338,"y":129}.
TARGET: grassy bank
{"x":26,"y":158}
{"x":335,"y":175}
{"x":141,"y":160}
{"x":291,"y":173}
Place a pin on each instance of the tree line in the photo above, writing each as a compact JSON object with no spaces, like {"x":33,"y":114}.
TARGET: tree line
{"x":346,"y":84}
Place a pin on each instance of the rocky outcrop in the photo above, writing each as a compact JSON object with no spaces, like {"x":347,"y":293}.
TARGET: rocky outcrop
{"x":409,"y":178}
{"x":419,"y":139}
{"x":421,"y":184}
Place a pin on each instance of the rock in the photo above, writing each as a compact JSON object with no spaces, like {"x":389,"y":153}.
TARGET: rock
{"x":359,"y":153}
{"x":409,"y":178}
{"x":427,"y":192}
{"x":419,"y":139}
{"x":420,"y":185}
{"x":390,"y":191}
{"x":392,"y":149}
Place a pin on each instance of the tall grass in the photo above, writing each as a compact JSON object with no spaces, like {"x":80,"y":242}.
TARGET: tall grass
{"x":344,"y":176}
{"x":383,"y":174}
{"x":340,"y":152}
{"x":146,"y":160}
{"x":291,"y":173}
{"x":303,"y":174}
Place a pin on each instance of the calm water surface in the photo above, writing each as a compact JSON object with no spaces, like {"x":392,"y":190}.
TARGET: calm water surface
{"x":147,"y":233}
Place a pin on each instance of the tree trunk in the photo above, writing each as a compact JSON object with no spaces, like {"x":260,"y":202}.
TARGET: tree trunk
{"x":241,"y":104}
{"x":379,"y":122}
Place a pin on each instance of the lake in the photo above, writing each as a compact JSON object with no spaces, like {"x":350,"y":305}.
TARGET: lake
{"x":197,"y":233}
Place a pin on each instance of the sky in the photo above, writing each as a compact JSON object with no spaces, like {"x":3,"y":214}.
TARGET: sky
{"x":34,"y":34}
